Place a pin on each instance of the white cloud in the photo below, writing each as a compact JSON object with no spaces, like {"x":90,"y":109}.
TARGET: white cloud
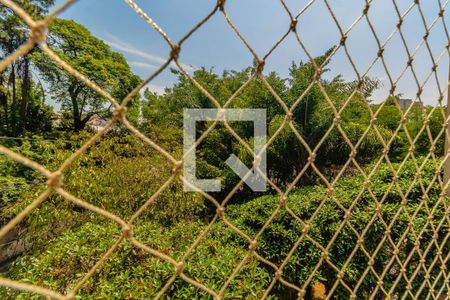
{"x":117,"y":43}
{"x":158,"y":89}
{"x":142,"y":65}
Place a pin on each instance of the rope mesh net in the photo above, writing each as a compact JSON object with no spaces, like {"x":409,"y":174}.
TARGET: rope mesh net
{"x":433,"y":255}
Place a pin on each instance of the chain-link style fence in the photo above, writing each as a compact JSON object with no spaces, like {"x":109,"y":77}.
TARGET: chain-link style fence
{"x":431,"y":269}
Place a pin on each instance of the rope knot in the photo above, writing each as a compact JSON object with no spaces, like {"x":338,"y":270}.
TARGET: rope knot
{"x":366,"y":9}
{"x":260,"y":66}
{"x":177,"y":167}
{"x":119,"y":113}
{"x":337,"y":119}
{"x":221,"y":4}
{"x":39,"y":32}
{"x":257,"y":161}
{"x":312,"y":157}
{"x":288,"y":117}
{"x":220,"y":115}
{"x":318,"y":74}
{"x":393,"y":88}
{"x":330,"y":191}
{"x":179,"y":268}
{"x":175,"y":53}
{"x":293,"y":26}
{"x":127,"y":231}
{"x":347,"y":215}
{"x":434,"y":67}
{"x":220,"y":211}
{"x":55,"y":180}
{"x":410,"y":61}
{"x":306,"y":229}
{"x":252,"y":246}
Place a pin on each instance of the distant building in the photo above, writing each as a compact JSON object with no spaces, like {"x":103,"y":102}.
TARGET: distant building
{"x":405,"y":103}
{"x":57,"y":119}
{"x":97,"y":123}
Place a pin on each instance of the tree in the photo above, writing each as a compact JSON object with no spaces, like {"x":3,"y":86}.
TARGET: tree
{"x":312,"y":118}
{"x":95,"y":60}
{"x":14,"y":32}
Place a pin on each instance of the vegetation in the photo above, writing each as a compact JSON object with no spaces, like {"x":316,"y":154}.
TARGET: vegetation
{"x":120,"y":173}
{"x":95,"y":60}
{"x":132,"y":273}
{"x":21,"y":99}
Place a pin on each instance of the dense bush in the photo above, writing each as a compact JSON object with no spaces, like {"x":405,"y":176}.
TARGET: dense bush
{"x":131,"y":272}
{"x":119,"y":174}
{"x":251,"y":216}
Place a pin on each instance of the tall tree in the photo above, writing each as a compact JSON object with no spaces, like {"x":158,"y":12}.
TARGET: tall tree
{"x":95,"y":60}
{"x":14,"y":33}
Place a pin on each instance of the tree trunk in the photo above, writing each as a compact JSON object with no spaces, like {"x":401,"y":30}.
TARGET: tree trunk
{"x":26,"y":83}
{"x":4,"y":103}
{"x":12,"y":81}
{"x":76,"y":113}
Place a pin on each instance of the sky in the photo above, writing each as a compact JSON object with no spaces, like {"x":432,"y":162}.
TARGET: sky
{"x":262,"y":23}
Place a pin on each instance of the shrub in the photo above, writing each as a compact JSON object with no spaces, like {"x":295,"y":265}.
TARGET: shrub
{"x":284,"y":231}
{"x":131,"y":273}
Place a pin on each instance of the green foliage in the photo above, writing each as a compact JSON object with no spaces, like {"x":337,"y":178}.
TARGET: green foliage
{"x":251,"y":216}
{"x":313,"y":117}
{"x":95,"y":60}
{"x":424,"y":126}
{"x":22,"y":109}
{"x":131,"y":273}
{"x":119,"y":174}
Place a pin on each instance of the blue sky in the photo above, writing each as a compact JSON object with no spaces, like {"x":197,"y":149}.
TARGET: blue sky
{"x":262,"y":22}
